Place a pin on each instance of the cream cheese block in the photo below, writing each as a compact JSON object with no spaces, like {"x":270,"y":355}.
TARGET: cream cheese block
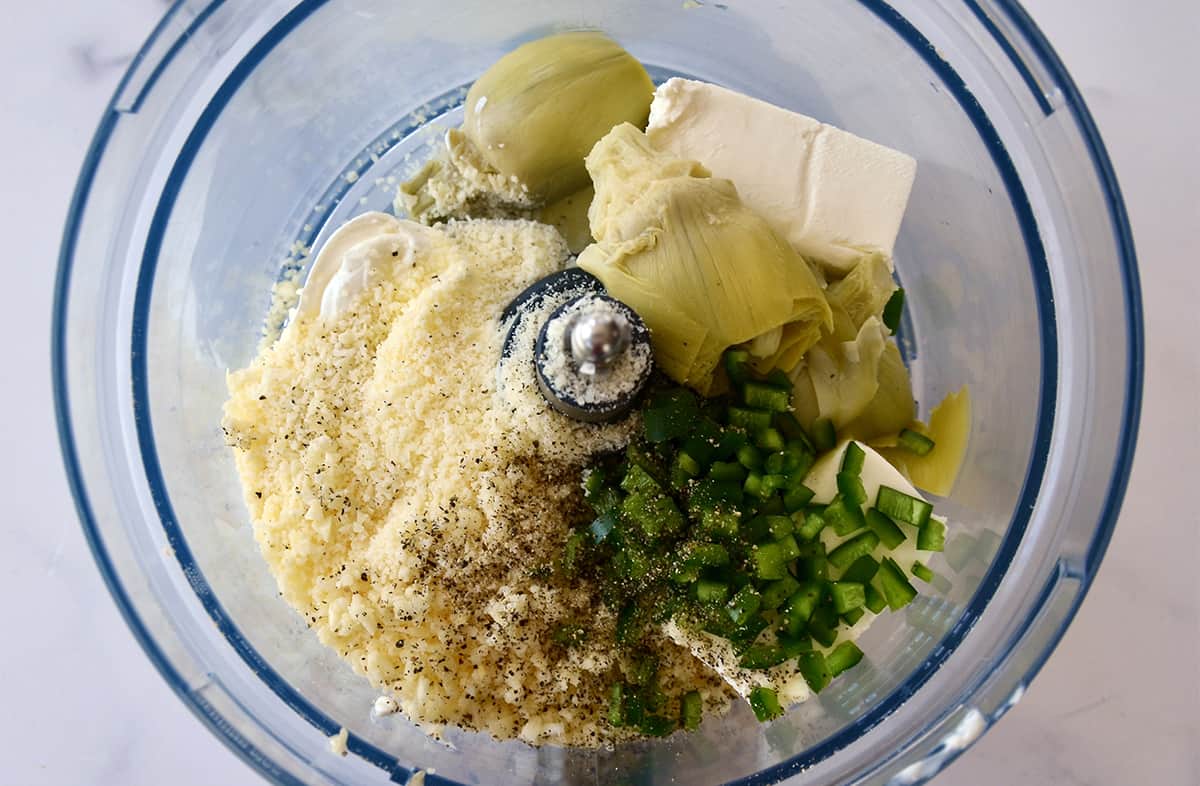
{"x":832,"y":194}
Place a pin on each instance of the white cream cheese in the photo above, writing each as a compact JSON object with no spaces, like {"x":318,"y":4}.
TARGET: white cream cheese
{"x":876,"y":472}
{"x":718,"y":654}
{"x":362,"y":252}
{"x":833,"y":195}
{"x":785,"y":679}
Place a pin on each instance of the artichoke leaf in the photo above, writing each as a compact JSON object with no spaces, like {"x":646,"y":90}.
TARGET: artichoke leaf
{"x":795,"y":338}
{"x":865,"y":290}
{"x":892,"y":408}
{"x":844,"y":375}
{"x":767,"y":344}
{"x":804,"y":397}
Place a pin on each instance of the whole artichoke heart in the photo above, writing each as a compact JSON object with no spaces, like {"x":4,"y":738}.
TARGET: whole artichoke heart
{"x":536,"y":113}
{"x":704,"y":271}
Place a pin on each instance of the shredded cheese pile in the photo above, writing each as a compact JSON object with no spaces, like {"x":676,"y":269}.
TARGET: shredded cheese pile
{"x":411,"y":507}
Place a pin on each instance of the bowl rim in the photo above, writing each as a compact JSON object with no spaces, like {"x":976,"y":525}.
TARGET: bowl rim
{"x":1117,"y":484}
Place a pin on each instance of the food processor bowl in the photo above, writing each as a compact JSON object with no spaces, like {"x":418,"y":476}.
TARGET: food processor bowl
{"x":244,"y":133}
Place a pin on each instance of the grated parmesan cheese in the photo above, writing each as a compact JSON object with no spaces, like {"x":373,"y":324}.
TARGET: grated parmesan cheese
{"x":459,"y":184}
{"x":385,"y":705}
{"x":285,"y":294}
{"x":337,"y":742}
{"x":409,"y":510}
{"x":546,"y":432}
{"x":620,"y":381}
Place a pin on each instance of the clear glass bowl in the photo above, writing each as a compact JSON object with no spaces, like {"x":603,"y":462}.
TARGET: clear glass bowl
{"x":244,"y":130}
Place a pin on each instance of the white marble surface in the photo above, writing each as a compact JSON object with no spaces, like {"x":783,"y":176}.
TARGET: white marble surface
{"x":81,"y":705}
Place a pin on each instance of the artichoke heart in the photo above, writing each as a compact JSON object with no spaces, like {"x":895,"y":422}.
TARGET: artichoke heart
{"x":536,"y":113}
{"x":704,"y":271}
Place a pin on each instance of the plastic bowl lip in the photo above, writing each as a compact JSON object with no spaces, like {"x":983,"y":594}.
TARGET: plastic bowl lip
{"x":1034,"y":39}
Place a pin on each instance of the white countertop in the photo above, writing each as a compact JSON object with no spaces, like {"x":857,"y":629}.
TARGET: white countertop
{"x":83,"y":705}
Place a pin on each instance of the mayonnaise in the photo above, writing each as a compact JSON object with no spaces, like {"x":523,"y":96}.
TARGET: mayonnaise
{"x":362,"y":252}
